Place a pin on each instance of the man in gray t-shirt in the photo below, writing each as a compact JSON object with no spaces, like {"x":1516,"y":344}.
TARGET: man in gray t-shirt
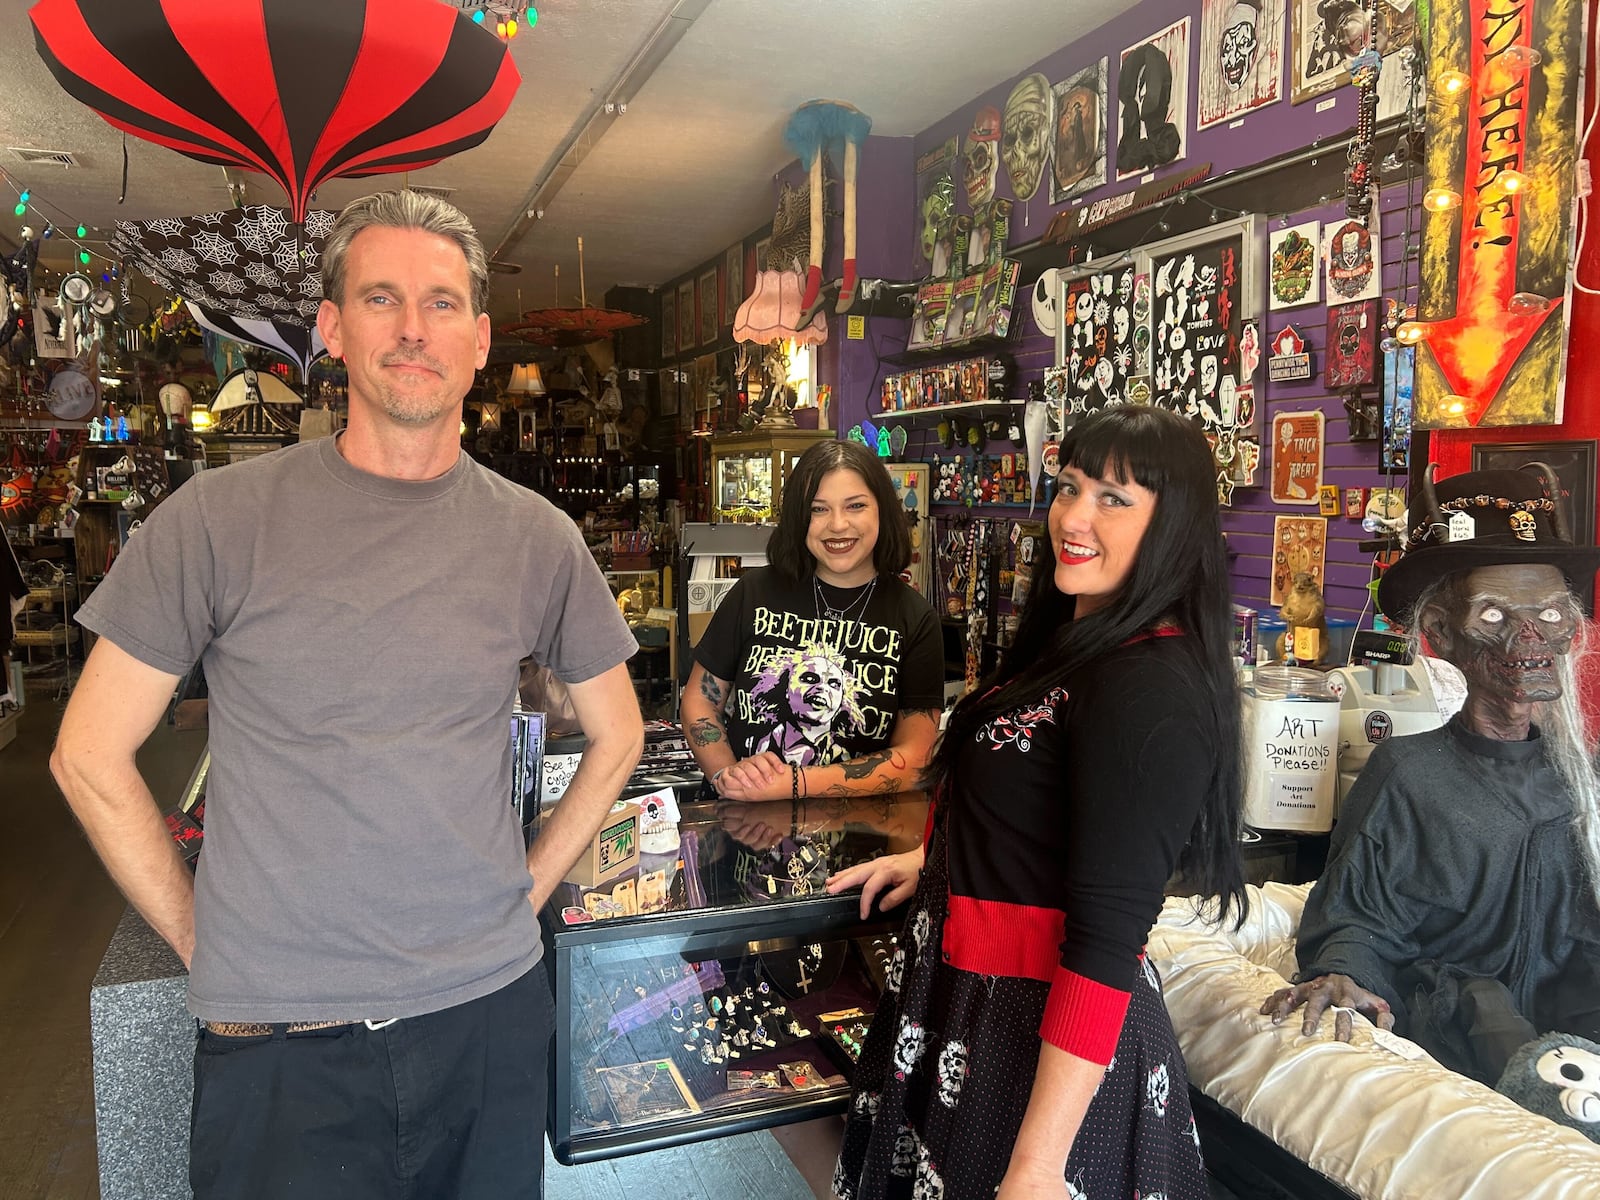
{"x":362,"y":930}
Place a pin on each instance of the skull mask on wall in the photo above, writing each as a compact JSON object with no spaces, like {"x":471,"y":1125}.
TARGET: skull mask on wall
{"x":982,"y":159}
{"x":1026,"y":143}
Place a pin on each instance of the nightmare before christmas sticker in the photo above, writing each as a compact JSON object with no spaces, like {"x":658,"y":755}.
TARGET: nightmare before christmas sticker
{"x":1079,"y":155}
{"x":1241,"y":58}
{"x":1097,"y":342}
{"x":1153,"y":99}
{"x":1293,"y":275}
{"x":1025,"y":138}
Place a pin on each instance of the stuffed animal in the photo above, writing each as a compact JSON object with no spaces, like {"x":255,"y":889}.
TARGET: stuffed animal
{"x":1557,"y":1076}
{"x":1304,"y":607}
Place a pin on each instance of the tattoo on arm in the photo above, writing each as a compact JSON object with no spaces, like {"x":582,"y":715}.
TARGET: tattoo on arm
{"x":705,"y":732}
{"x":711,"y":689}
{"x":864,"y":767}
{"x":931,"y":713}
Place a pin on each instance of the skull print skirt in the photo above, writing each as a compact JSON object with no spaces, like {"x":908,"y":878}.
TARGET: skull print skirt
{"x":947,"y":1068}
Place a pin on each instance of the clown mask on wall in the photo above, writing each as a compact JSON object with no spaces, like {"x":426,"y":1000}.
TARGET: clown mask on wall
{"x":982,"y":156}
{"x":1025,"y":145}
{"x":1239,"y":45}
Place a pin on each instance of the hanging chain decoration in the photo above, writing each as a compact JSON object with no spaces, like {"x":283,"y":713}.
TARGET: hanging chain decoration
{"x":1365,"y":68}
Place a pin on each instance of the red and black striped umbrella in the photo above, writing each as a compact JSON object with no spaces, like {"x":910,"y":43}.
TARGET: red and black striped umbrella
{"x":300,"y":90}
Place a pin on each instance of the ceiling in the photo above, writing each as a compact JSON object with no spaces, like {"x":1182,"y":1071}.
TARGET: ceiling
{"x":667,"y":184}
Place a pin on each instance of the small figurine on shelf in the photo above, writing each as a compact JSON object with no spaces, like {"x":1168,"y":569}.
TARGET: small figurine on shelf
{"x":96,"y":430}
{"x":1305,"y":617}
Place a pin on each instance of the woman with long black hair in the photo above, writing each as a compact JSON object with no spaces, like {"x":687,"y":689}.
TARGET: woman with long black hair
{"x":1022,"y":1044}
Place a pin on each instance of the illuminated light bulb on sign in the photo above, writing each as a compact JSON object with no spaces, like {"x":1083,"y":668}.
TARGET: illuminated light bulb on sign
{"x":1527,"y":302}
{"x":1441,"y":199}
{"x":1409,"y":333}
{"x":1510,"y":182}
{"x":1455,"y":405}
{"x":1453,"y":83}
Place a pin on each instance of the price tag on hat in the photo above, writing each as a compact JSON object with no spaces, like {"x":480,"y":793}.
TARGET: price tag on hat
{"x":1462,"y":527}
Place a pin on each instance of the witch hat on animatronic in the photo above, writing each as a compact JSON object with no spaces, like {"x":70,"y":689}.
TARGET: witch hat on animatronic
{"x":1486,"y":519}
{"x":815,"y":127}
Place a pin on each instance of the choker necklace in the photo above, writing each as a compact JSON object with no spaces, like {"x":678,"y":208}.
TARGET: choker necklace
{"x":854,"y":610}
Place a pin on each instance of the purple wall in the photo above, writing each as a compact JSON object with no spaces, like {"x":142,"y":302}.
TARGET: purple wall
{"x":1266,"y":133}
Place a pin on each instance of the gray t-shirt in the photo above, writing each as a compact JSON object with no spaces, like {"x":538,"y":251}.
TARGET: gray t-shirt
{"x":361,"y":637}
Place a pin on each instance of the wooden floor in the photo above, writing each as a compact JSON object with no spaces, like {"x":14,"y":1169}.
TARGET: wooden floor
{"x":57,"y":912}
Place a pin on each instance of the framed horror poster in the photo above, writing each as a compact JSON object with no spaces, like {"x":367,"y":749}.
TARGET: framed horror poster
{"x":1206,"y":286}
{"x":1241,"y":58}
{"x":1153,"y":101}
{"x":1326,"y":35}
{"x":1295,"y":275}
{"x":1079,"y":157}
{"x":669,"y":323}
{"x":686,"y":317}
{"x":1095,"y":342}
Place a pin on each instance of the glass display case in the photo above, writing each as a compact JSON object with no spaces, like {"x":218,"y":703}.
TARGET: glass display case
{"x":748,"y":470}
{"x":713,"y":986}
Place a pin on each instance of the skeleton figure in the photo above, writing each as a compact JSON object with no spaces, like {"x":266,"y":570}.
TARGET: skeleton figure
{"x":1025,"y":145}
{"x":1238,"y":49}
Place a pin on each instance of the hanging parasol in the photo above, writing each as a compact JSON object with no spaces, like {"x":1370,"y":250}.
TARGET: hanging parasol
{"x":301,"y":344}
{"x":248,"y":273}
{"x":367,"y":88}
{"x":571,"y":326}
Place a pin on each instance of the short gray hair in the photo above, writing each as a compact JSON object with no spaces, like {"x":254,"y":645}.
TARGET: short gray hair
{"x":404,"y":210}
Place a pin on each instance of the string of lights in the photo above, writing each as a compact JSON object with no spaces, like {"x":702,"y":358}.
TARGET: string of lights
{"x":508,"y":19}
{"x":63,"y":222}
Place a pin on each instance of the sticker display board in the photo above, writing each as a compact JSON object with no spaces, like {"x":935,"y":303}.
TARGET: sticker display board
{"x":911,"y":485}
{"x":1099,"y":342}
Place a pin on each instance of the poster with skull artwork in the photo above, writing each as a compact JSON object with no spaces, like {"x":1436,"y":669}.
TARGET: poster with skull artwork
{"x":1078,"y":156}
{"x":1097,"y":346}
{"x":1196,"y":357}
{"x":1153,"y":99}
{"x":1241,"y":58}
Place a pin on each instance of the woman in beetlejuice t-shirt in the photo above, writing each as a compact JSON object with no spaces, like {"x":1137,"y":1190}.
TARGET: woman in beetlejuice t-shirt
{"x":822,"y":673}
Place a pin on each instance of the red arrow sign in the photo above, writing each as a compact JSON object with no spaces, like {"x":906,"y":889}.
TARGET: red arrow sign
{"x":1476,"y":348}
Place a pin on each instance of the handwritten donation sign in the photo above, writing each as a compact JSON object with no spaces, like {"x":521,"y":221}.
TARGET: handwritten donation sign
{"x":1292,"y":749}
{"x":1297,"y":440}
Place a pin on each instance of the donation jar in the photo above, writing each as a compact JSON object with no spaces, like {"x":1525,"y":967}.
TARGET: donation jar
{"x":1291,"y":750}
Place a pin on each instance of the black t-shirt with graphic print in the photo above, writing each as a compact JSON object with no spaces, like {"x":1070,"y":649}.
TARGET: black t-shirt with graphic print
{"x":818,"y":691}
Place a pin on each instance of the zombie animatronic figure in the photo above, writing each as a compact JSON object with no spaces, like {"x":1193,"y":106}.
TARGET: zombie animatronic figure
{"x":1459,"y":903}
{"x":1025,"y":143}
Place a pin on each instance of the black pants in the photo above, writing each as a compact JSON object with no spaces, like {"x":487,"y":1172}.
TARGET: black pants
{"x":451,"y":1104}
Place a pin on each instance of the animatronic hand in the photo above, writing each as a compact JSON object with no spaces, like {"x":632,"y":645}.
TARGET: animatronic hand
{"x":762,"y":776}
{"x":892,"y":875}
{"x":1317,"y":994}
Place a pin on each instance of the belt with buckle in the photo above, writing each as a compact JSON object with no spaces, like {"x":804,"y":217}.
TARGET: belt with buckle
{"x":244,"y":1029}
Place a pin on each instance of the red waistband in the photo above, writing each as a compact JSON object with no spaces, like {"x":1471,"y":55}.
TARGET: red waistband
{"x":996,"y":937}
